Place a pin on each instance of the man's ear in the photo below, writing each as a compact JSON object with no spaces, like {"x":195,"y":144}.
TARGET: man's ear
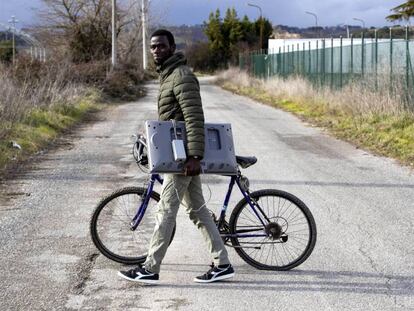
{"x":173,"y":48}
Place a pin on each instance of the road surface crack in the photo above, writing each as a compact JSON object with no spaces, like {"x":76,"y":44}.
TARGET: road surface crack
{"x":85,"y":267}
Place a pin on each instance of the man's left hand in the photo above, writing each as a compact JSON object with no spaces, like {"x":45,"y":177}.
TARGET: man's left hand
{"x":192,"y":167}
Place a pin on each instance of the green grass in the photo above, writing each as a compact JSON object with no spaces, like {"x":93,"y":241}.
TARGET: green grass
{"x":387,"y":135}
{"x":41,"y":126}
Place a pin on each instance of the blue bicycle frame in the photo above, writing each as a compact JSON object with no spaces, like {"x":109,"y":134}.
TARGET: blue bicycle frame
{"x":235,"y":179}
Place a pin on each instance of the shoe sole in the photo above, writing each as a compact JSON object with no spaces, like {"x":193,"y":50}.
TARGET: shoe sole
{"x":219,"y":278}
{"x":145,"y":281}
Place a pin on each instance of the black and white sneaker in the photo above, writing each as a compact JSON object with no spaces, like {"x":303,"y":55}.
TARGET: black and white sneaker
{"x":216,"y":273}
{"x":140,"y":274}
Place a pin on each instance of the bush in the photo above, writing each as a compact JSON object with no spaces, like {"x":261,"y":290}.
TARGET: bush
{"x":123,"y":83}
{"x":201,"y":58}
{"x":91,"y":73}
{"x":6,"y":52}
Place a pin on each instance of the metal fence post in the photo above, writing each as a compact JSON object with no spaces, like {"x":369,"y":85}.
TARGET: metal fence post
{"x":317,"y":61}
{"x":376,"y":60}
{"x":391,"y":55}
{"x":362,"y":54}
{"x":309,"y":57}
{"x":271,"y":55}
{"x":352,"y":57}
{"x":288,"y":62}
{"x":293,"y":58}
{"x":407,"y":60}
{"x":407,"y":67}
{"x":340,"y":61}
{"x":332,"y":62}
{"x":279,"y":61}
{"x":303,"y":58}
{"x":323,"y":61}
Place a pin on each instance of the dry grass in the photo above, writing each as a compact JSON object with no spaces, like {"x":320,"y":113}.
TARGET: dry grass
{"x":353,"y":99}
{"x":376,"y":120}
{"x":37,"y":102}
{"x":27,"y":88}
{"x":40,"y":100}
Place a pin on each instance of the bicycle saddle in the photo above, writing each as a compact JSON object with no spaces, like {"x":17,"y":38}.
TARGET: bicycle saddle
{"x":245,"y":162}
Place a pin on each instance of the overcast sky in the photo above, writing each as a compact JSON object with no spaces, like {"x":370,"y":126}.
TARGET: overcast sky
{"x":286,"y":12}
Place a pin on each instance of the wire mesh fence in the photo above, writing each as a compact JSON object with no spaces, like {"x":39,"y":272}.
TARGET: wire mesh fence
{"x":385,"y":66}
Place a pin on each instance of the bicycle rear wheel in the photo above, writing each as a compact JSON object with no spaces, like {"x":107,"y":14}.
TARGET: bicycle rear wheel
{"x":285,"y":242}
{"x":110,"y":225}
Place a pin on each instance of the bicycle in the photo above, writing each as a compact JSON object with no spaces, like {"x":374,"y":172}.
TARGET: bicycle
{"x":269,"y":229}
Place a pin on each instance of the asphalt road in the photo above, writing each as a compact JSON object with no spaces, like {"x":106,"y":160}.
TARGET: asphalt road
{"x":363,"y":206}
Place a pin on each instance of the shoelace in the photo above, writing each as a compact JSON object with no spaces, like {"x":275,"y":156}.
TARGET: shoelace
{"x":211,"y":269}
{"x":139,"y":268}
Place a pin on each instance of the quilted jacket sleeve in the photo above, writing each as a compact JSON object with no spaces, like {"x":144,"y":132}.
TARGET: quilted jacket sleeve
{"x":187,"y":92}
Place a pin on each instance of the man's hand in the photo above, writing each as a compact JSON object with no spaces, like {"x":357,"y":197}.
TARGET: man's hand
{"x":192,"y":167}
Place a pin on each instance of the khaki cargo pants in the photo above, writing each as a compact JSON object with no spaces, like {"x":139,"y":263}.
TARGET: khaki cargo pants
{"x":189,"y":191}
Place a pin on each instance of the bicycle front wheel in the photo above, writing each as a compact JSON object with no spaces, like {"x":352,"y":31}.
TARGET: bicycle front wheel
{"x":110,"y":225}
{"x":285,"y":241}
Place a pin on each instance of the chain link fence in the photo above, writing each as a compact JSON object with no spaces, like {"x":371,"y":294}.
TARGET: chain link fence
{"x":384,"y":66}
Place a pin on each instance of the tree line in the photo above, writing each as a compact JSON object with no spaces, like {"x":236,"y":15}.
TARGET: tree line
{"x":227,"y":37}
{"x":403,"y":11}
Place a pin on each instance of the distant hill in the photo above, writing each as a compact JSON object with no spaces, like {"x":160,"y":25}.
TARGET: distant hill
{"x":7,"y":36}
{"x":283,"y":31}
{"x":186,"y":35}
{"x":286,"y":32}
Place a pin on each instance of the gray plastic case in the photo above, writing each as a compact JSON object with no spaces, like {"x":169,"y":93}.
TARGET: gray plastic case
{"x":219,"y":155}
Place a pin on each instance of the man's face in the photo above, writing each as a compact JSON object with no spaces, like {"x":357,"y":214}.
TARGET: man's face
{"x":161,"y":49}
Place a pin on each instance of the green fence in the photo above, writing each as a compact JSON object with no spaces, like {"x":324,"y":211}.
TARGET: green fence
{"x":385,"y":66}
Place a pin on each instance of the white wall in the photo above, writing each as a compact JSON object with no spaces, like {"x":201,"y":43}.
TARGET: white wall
{"x":297,"y":44}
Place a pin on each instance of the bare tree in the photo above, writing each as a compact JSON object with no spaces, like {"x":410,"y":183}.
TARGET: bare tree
{"x":82,"y":27}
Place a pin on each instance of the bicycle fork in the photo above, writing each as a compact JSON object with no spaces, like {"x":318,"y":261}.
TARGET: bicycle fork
{"x":146,"y":197}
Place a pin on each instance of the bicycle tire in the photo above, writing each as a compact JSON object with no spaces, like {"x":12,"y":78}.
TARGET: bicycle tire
{"x":278,"y":247}
{"x":114,"y":238}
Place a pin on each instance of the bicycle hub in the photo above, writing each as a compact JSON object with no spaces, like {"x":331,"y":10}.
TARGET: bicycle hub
{"x":273,"y":230}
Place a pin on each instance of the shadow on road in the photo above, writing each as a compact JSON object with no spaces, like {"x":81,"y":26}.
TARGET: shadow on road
{"x":306,"y":281}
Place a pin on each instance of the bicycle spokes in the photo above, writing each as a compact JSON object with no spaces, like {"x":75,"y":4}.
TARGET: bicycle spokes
{"x":279,"y":244}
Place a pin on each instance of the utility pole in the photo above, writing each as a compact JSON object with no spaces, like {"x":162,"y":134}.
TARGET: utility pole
{"x":144,"y":9}
{"x":13,"y":21}
{"x":114,"y":48}
{"x":347,"y":29}
{"x":360,"y":20}
{"x":316,"y":21}
{"x":261,"y":23}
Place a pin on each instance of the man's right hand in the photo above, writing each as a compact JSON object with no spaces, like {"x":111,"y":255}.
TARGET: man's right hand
{"x":192,"y":167}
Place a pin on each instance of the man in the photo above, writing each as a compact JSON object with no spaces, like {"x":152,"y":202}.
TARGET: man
{"x":180,"y":100}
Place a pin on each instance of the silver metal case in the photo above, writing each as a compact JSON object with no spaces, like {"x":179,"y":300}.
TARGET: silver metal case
{"x":219,"y":155}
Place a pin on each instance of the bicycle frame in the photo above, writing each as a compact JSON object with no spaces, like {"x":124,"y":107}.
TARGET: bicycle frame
{"x":234,"y":179}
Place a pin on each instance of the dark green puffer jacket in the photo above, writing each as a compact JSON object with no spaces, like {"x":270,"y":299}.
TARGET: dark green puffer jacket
{"x":179,"y":99}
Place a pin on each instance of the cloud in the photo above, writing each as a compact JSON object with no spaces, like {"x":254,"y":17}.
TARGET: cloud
{"x":287,"y":12}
